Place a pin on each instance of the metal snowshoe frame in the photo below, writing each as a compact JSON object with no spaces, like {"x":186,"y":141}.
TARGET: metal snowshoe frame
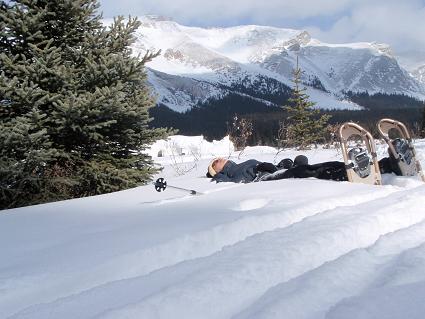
{"x":406,"y":159}
{"x":356,"y":167}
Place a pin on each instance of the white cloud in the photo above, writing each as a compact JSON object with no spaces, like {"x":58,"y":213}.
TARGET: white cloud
{"x":228,"y":9}
{"x":398,"y":23}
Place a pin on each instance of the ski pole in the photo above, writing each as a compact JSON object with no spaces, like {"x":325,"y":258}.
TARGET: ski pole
{"x":161,"y":185}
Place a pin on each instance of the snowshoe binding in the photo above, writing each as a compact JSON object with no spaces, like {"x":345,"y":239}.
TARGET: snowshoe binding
{"x":360,"y":160}
{"x":400,"y":147}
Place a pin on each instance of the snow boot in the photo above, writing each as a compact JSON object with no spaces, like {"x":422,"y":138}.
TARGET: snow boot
{"x":286,"y":163}
{"x":300,"y":160}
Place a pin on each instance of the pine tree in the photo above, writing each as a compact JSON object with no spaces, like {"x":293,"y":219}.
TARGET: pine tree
{"x":422,"y":129}
{"x":73,"y":103}
{"x":304,"y":125}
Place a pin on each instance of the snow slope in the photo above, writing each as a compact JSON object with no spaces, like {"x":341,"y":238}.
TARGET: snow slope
{"x":414,"y":62}
{"x":282,"y":249}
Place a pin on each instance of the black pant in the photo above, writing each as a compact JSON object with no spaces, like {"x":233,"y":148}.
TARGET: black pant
{"x":327,"y":170}
{"x":330,"y":170}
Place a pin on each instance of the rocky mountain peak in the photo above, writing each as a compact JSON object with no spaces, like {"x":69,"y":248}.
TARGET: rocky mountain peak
{"x":383,"y":48}
{"x":221,"y":60}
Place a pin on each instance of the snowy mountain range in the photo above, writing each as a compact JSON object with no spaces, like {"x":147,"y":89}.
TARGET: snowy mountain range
{"x":414,"y":62}
{"x":419,"y":74}
{"x":199,"y":64}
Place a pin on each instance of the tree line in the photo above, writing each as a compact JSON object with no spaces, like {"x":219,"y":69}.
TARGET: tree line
{"x":212,"y":118}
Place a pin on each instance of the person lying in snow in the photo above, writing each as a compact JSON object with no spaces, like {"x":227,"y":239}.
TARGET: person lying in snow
{"x":224,"y":170}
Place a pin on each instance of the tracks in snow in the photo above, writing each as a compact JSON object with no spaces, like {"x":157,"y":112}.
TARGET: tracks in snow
{"x":251,"y":254}
{"x":212,"y":240}
{"x":235,"y":277}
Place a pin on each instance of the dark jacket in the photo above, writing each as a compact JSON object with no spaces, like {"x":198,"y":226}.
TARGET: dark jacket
{"x":244,"y":172}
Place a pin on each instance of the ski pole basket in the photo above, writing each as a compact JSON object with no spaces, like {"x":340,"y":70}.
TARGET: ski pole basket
{"x":160,"y":185}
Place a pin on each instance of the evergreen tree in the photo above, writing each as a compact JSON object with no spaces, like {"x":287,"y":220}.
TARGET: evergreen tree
{"x":422,"y":123}
{"x":305,"y":125}
{"x":73,"y":103}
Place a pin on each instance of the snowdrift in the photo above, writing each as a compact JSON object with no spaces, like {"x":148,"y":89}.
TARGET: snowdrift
{"x":301,"y":248}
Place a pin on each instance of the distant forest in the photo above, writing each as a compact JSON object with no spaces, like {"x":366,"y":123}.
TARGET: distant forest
{"x":213,"y":118}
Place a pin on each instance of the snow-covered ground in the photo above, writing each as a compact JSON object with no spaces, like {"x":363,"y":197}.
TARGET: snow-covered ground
{"x":300,"y":248}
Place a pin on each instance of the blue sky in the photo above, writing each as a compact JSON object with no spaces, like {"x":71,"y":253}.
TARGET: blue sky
{"x":400,"y":23}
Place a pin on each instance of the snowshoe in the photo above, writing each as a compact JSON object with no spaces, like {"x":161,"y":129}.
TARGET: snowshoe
{"x":360,"y":160}
{"x":400,"y":147}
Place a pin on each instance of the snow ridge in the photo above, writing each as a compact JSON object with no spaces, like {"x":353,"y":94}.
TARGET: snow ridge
{"x":299,"y":248}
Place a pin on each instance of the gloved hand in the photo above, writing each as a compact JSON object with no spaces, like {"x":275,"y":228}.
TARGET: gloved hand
{"x":266,"y":167}
{"x":286,"y":163}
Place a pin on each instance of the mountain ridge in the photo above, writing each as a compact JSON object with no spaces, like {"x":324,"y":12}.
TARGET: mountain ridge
{"x":198,"y":64}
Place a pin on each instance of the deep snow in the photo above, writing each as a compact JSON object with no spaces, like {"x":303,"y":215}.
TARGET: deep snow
{"x":282,"y":249}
